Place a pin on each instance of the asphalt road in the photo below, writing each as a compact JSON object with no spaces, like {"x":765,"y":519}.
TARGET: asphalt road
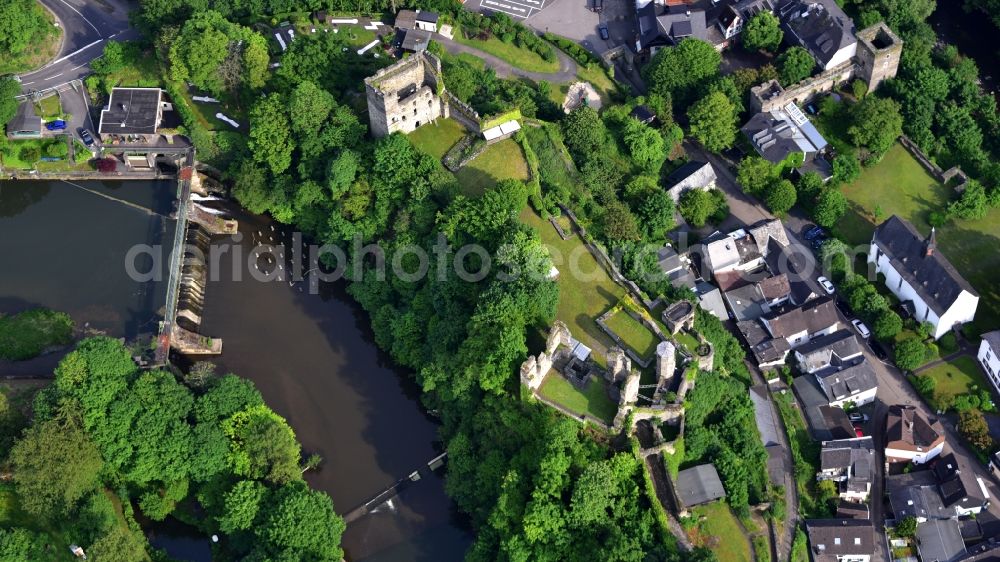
{"x":893,"y":388}
{"x":87,"y":25}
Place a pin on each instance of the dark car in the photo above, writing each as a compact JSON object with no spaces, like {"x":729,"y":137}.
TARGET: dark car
{"x":598,"y":6}
{"x":817,"y":243}
{"x":86,"y":137}
{"x":814,"y":232}
{"x":603,"y":30}
{"x":878,"y":350}
{"x":56,"y":125}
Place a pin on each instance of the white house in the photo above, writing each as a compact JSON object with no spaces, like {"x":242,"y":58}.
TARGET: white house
{"x":799,"y":325}
{"x":988,"y":358}
{"x":693,"y":175}
{"x":841,"y":540}
{"x":909,"y":437}
{"x":840,"y":368}
{"x":822,"y":28}
{"x":921,"y":277}
{"x":851,"y":464}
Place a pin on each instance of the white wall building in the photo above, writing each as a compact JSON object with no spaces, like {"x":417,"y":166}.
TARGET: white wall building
{"x":921,"y":277}
{"x":988,"y":358}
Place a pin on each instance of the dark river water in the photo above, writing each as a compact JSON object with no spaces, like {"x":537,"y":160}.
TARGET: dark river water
{"x":312,"y":356}
{"x":971,"y":33}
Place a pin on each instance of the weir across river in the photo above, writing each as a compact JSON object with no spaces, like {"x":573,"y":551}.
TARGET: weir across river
{"x":188,"y":275}
{"x":394,"y":490}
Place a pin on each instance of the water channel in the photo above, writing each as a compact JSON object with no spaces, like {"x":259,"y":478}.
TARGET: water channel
{"x":312,"y":356}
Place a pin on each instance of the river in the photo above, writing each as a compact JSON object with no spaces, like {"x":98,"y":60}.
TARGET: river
{"x":970,"y":32}
{"x":311,"y":356}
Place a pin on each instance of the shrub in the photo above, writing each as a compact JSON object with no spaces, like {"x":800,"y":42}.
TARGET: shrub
{"x":887,"y":325}
{"x":106,"y":165}
{"x":29,"y":154}
{"x":948,"y":343}
{"x":57,"y":149}
{"x":925,"y":385}
{"x":910,"y":354}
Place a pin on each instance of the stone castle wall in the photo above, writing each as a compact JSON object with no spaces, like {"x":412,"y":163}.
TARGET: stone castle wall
{"x":405,"y":95}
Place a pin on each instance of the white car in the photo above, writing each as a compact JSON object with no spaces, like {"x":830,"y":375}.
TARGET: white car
{"x":826,"y":284}
{"x":861,"y":328}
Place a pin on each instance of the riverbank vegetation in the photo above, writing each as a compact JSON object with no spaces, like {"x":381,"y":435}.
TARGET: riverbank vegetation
{"x":29,"y":36}
{"x":28,"y":334}
{"x":109,"y":445}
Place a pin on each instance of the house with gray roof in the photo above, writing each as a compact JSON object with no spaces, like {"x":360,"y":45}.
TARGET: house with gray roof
{"x":941,"y":540}
{"x":663,"y":25}
{"x":962,"y":490}
{"x":920,"y":275}
{"x":821,"y":352}
{"x":25,"y":124}
{"x":852,"y":381}
{"x":780,"y":133}
{"x":677,"y":267}
{"x":820,"y":27}
{"x":693,"y":175}
{"x":851,"y":464}
{"x":839,"y":540}
{"x":710,"y":299}
{"x":698,"y":485}
{"x":753,"y":300}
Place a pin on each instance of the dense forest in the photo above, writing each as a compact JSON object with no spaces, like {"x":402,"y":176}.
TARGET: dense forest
{"x":108,"y":442}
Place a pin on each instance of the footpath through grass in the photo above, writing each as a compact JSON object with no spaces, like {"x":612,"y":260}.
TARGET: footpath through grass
{"x":719,"y":530}
{"x":898,"y":185}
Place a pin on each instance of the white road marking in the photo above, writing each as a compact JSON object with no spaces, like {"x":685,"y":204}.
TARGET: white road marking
{"x":81,"y":15}
{"x":514,"y":8}
{"x":26,"y":83}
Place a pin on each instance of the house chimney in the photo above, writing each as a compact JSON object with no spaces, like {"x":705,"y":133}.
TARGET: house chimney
{"x":930,"y":243}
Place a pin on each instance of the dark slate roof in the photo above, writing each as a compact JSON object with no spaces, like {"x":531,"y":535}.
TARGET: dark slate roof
{"x":819,"y":26}
{"x":813,"y":316}
{"x":775,"y":139}
{"x":776,"y":468}
{"x":940,"y":539}
{"x":699,"y":484}
{"x":822,"y":351}
{"x":765,"y":348}
{"x":25,"y":120}
{"x":131,"y":111}
{"x":746,"y":302}
{"x":841,"y":453}
{"x":416,"y":40}
{"x":428,"y":17}
{"x":932,"y":276}
{"x":836,"y":422}
{"x":830,"y":538}
{"x":906,"y":428}
{"x":915,"y":494}
{"x":852,"y":510}
{"x":984,"y":552}
{"x":406,"y":19}
{"x":957,"y":486}
{"x":993,"y":339}
{"x":843,"y":379}
{"x":661,"y":25}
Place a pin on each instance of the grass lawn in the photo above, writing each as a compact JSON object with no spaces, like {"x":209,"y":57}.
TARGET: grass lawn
{"x":599,"y":79}
{"x":900,"y":186}
{"x":11,"y":156}
{"x":437,"y":137}
{"x":955,"y":378}
{"x":510,"y":53}
{"x":633,"y":333}
{"x":49,"y":108}
{"x":553,"y":160}
{"x":501,"y":161}
{"x":593,"y":400}
{"x":584,"y":297}
{"x":719,"y":530}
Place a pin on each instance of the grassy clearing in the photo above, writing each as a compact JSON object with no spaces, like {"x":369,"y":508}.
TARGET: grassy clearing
{"x":27,"y":334}
{"x":898,"y":185}
{"x":599,"y":79}
{"x":955,"y":378}
{"x":503,"y":160}
{"x":593,"y":400}
{"x":553,"y":160}
{"x":633,"y":333}
{"x":437,"y":137}
{"x":142,"y":72}
{"x":719,"y":530}
{"x":510,"y":53}
{"x":14,"y":154}
{"x":805,"y":455}
{"x":583,"y":297}
{"x":49,"y":108}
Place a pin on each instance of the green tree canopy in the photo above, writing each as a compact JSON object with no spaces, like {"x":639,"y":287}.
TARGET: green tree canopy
{"x":795,"y":65}
{"x":300,"y":522}
{"x":763,"y":32}
{"x":755,"y":175}
{"x":713,"y":121}
{"x":830,"y":207}
{"x":262,"y":445}
{"x":910,"y":354}
{"x":645,"y":144}
{"x":9,"y":88}
{"x":875,"y":124}
{"x":677,"y":71}
{"x":270,"y":134}
{"x":780,"y":197}
{"x":217,"y":55}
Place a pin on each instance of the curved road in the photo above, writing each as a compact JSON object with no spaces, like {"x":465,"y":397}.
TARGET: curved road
{"x":87,"y":25}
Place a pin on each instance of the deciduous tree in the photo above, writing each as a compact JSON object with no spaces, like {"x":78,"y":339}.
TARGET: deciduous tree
{"x":780,"y":197}
{"x":795,"y":65}
{"x":713,"y":121}
{"x":763,"y":32}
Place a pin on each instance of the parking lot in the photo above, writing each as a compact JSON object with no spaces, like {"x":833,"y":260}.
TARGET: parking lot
{"x":519,"y":9}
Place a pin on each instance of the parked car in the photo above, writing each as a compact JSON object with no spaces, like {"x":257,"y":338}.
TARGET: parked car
{"x":86,"y":137}
{"x":857,"y":417}
{"x":861,"y":328}
{"x":844,"y":307}
{"x":603,"y":30}
{"x":817,"y":243}
{"x":56,"y":125}
{"x":826,"y":284}
{"x":878,"y":350}
{"x":858,"y":431}
{"x":814,"y":232}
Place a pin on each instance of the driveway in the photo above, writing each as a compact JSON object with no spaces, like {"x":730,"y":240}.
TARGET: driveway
{"x":87,"y":25}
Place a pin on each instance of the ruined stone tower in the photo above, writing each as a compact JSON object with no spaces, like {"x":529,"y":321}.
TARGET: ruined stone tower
{"x":878,"y":54}
{"x":406,"y":95}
